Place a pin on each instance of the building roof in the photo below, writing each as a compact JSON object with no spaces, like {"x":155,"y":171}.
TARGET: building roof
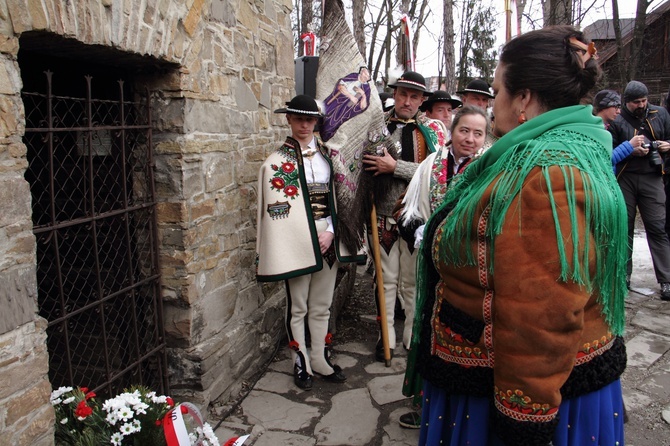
{"x":603,"y":29}
{"x":627,"y":36}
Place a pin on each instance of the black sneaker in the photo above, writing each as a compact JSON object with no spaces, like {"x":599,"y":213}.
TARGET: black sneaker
{"x":665,"y":290}
{"x":410,"y":420}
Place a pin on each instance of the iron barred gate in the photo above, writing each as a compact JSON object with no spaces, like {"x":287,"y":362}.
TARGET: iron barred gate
{"x":90,"y":171}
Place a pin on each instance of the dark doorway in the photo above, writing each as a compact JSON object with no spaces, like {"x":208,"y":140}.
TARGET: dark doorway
{"x":89,"y":148}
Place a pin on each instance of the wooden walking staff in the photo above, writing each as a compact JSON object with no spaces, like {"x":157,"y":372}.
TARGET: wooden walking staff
{"x":381,"y":298}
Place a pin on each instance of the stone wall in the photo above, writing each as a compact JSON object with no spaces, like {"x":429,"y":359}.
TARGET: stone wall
{"x":215,"y":125}
{"x":26,"y":418}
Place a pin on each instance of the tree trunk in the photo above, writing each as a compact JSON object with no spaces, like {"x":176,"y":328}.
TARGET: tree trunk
{"x":358,"y":7}
{"x":520,"y":7}
{"x":636,"y":50}
{"x":557,"y":12}
{"x":305,"y":18}
{"x":622,"y":62}
{"x":449,"y":42}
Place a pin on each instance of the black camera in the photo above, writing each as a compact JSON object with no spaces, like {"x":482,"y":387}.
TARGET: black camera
{"x":654,"y":156}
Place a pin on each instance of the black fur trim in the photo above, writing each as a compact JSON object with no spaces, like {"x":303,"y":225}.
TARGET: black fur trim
{"x":457,"y":380}
{"x":407,"y":231}
{"x":460,"y":322}
{"x":597,"y":373}
{"x":526,"y":433}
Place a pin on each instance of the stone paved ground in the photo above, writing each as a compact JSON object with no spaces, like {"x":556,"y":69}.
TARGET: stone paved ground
{"x":365,"y":409}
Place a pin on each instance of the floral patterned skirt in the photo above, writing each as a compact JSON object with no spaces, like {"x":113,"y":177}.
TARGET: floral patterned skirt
{"x":458,"y":420}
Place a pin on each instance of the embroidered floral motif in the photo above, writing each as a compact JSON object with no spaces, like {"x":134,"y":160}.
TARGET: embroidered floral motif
{"x":388,"y":234}
{"x":594,"y":348}
{"x":285,"y":179}
{"x":437,"y":136}
{"x":288,"y":151}
{"x":515,"y":402}
{"x":441,"y":171}
{"x":438,"y":183}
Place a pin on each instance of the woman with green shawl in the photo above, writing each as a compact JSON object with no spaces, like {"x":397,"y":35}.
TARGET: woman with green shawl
{"x":521,"y":277}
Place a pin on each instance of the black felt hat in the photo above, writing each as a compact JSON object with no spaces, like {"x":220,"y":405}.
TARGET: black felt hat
{"x":477,"y":86}
{"x":413,"y":80}
{"x":301,"y":105}
{"x":440,"y":96}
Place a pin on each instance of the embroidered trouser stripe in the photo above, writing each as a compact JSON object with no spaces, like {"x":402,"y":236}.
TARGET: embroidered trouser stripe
{"x":399,"y":271}
{"x":309,"y":297}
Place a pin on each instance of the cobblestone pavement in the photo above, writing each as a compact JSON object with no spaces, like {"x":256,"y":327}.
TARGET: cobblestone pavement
{"x":365,"y":409}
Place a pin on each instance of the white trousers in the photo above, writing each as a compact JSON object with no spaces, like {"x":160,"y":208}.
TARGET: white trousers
{"x":310,"y":297}
{"x":399,"y":273}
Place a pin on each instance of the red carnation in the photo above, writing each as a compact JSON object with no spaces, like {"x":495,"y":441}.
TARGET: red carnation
{"x":83,"y":410}
{"x":90,"y":395}
{"x":290,"y":191}
{"x":170,"y":402}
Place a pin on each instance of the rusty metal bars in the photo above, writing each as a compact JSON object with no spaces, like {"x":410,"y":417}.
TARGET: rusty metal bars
{"x":91,"y":176}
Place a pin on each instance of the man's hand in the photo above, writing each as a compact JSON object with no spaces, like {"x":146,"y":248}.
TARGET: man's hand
{"x":663,"y":146}
{"x":325,"y":240}
{"x":379,"y":164}
{"x":636,"y":142}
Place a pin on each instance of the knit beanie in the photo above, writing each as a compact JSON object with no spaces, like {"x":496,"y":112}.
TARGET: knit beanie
{"x":606,"y":99}
{"x":635,"y":90}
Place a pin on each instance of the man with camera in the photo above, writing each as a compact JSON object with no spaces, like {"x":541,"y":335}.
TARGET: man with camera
{"x":640,"y":175}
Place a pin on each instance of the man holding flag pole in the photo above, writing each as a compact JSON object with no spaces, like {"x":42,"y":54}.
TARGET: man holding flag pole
{"x":415,"y":137}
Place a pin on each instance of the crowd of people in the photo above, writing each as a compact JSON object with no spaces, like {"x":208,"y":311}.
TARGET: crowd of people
{"x":505,"y":231}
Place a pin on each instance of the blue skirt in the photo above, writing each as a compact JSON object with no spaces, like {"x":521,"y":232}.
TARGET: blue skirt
{"x":460,"y":420}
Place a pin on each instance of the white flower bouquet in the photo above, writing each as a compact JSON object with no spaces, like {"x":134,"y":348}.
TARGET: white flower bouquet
{"x":135,"y":417}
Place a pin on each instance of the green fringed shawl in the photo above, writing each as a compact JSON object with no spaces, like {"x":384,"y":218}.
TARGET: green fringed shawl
{"x":574,"y":140}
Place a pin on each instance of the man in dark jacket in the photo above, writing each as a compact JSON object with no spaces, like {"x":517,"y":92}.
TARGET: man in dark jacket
{"x":640,"y":175}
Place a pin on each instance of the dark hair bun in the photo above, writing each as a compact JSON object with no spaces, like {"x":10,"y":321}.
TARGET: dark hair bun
{"x":552,"y":62}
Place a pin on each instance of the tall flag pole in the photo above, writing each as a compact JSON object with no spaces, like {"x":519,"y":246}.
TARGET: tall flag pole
{"x":511,"y":20}
{"x":508,"y":20}
{"x":406,"y":43}
{"x":352,"y":124}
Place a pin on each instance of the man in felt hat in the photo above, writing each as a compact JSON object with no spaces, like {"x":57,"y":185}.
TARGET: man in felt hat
{"x":415,"y":136}
{"x":477,"y":92}
{"x":296,"y":240}
{"x":440,"y":106}
{"x":640,"y":175}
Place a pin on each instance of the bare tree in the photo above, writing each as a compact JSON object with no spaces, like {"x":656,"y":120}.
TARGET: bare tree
{"x":616,"y":22}
{"x":557,"y":12}
{"x":636,"y":52}
{"x":449,"y":39}
{"x":358,"y":12}
{"x":520,"y":7}
{"x":477,"y":26}
{"x":305,"y":18}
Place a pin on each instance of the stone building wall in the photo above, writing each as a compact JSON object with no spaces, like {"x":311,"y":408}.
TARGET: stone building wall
{"x":214,"y":126}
